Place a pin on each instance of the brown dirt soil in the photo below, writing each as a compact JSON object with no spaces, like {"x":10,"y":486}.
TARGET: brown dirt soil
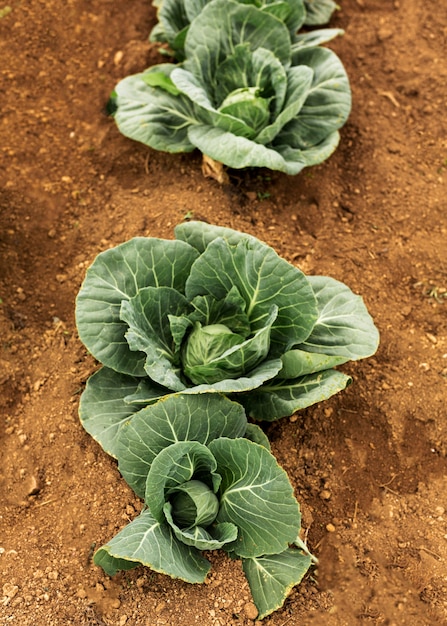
{"x":368,"y":465}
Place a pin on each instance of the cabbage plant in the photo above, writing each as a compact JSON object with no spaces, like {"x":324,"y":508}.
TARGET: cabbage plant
{"x":175,"y":17}
{"x":244,"y":95}
{"x":205,"y":486}
{"x":213,"y":311}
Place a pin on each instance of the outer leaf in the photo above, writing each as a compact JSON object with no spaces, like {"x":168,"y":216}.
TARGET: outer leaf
{"x":315,"y":38}
{"x":178,"y":44}
{"x":103,"y":408}
{"x":263,"y":279}
{"x":173,"y":18}
{"x":152,"y":115}
{"x":194,"y":7}
{"x":157,"y":34}
{"x":271,"y":578}
{"x":256,"y":496}
{"x":299,"y":363}
{"x":291,"y":12}
{"x":344,"y":326}
{"x":282,"y":398}
{"x":306,"y":157}
{"x":239,"y":152}
{"x":328,"y":104}
{"x":147,"y":315}
{"x":200,"y":234}
{"x":319,"y":11}
{"x":146,"y":393}
{"x":160,"y":79}
{"x":144,"y":541}
{"x":116,"y":275}
{"x":176,"y":418}
{"x":256,"y":434}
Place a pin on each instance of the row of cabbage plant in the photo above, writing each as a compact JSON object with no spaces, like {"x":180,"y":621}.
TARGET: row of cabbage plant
{"x":202,"y":339}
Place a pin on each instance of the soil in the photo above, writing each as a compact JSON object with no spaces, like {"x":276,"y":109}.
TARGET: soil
{"x":369,"y":465}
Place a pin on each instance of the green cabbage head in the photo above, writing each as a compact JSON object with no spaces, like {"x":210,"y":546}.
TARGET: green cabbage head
{"x":213,"y":311}
{"x":245,"y":95}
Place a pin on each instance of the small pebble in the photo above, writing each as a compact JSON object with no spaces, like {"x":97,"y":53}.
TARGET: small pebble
{"x":330,"y":528}
{"x":34,"y":486}
{"x":325,"y":494}
{"x":10,"y":590}
{"x":250,"y":610}
{"x":118,"y":57}
{"x":160,"y":607}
